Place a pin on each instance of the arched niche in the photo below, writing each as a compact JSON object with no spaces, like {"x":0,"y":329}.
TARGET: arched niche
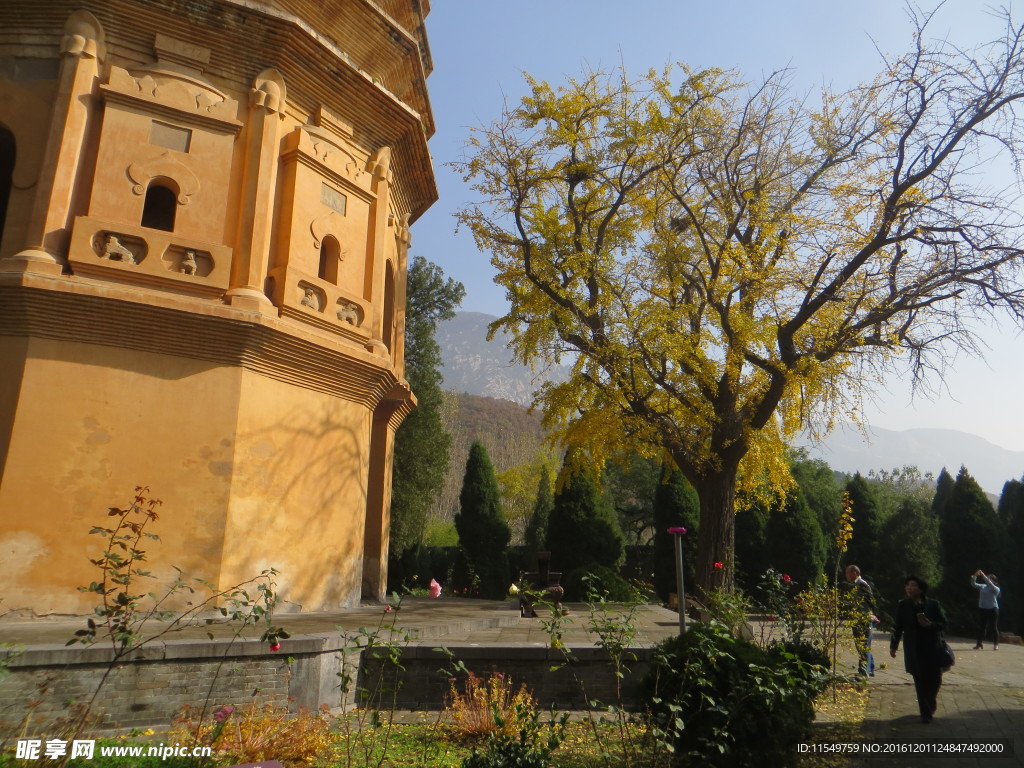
{"x":160,"y":206}
{"x":330,"y":259}
{"x":8,"y":155}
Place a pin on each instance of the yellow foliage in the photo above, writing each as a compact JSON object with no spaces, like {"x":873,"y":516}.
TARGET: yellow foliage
{"x":475,"y":707}
{"x":725,"y":267}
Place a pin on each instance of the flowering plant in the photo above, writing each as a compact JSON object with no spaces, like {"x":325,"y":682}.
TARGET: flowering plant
{"x":435,"y":588}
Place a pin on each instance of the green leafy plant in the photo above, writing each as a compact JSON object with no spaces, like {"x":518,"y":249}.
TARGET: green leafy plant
{"x":129,"y":617}
{"x":528,"y":746}
{"x":725,"y":701}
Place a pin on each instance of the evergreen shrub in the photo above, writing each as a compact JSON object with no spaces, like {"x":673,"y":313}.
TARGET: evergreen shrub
{"x":729,"y":703}
{"x":602,"y":579}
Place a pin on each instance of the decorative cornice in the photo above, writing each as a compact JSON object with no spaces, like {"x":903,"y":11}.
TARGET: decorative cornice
{"x":272,"y":349}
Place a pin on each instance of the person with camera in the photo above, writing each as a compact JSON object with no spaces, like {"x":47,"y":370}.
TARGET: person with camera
{"x":988,"y":607}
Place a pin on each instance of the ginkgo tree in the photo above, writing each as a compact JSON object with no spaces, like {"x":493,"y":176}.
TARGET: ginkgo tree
{"x":724,"y":264}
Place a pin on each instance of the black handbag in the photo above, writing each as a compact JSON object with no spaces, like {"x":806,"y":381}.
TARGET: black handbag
{"x":946,"y":656}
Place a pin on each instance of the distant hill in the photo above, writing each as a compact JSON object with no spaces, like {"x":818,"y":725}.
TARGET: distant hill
{"x":511,"y":434}
{"x":930,"y":450}
{"x":475,"y":366}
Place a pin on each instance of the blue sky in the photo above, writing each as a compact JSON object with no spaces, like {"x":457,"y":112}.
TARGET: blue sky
{"x":481,"y":48}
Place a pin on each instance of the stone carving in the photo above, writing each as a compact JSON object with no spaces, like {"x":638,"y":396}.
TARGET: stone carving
{"x":141,"y":172}
{"x":268,"y":92}
{"x":349,"y":312}
{"x":188,"y":263}
{"x":322,"y":226}
{"x":309,"y":299}
{"x":379,"y":163}
{"x":174,"y":89}
{"x":114,"y":251}
{"x":83,"y":36}
{"x":403,"y":234}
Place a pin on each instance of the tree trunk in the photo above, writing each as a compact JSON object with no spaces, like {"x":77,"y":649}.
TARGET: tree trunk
{"x":716,"y":541}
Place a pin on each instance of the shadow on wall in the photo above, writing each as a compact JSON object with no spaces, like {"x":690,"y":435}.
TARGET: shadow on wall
{"x":302,"y":484}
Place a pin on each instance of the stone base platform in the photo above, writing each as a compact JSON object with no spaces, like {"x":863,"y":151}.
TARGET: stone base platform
{"x":210,"y":664}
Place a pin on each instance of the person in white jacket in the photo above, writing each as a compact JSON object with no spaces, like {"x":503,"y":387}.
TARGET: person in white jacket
{"x":988,"y":607}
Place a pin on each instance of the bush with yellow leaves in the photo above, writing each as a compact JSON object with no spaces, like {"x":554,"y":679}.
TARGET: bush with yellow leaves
{"x":256,"y":733}
{"x":488,"y":705}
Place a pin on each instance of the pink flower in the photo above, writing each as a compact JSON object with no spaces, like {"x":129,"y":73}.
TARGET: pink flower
{"x":275,"y":647}
{"x":786,"y":578}
{"x":223,"y":714}
{"x":435,"y":588}
{"x":718,"y":566}
{"x":677,"y":531}
{"x":387,"y":609}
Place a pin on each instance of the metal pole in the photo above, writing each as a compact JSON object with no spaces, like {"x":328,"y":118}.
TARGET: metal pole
{"x":679,"y":583}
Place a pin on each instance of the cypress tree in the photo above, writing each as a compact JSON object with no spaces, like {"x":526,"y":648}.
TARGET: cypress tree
{"x":972,"y":538}
{"x":675,"y":504}
{"x":909,"y":545}
{"x":818,"y":485}
{"x":943,"y":490}
{"x":537,"y":528}
{"x":752,"y":556}
{"x":582,"y":531}
{"x":422,"y":444}
{"x":863,"y":547}
{"x":484,"y":534}
{"x":794,"y":541}
{"x":1011,"y":513}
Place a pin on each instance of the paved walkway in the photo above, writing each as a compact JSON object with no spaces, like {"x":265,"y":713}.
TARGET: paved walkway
{"x":453,"y":621}
{"x":982,"y":700}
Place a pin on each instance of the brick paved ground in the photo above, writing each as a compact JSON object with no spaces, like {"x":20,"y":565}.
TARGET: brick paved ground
{"x":982,"y":700}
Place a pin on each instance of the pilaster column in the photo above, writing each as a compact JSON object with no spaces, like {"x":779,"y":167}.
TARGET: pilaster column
{"x":82,"y":51}
{"x":403,"y":240}
{"x":379,"y":168}
{"x":387,"y":417}
{"x":256,"y":219}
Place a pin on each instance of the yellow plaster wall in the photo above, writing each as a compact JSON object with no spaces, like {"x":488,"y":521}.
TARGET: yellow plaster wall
{"x":254,"y":470}
{"x":298,"y":498}
{"x":253,"y":474}
{"x":94,"y":422}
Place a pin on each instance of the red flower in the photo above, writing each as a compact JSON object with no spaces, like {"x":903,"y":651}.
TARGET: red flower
{"x":387,"y":609}
{"x":275,"y":647}
{"x":718,"y":566}
{"x":771,"y":618}
{"x":786,"y":578}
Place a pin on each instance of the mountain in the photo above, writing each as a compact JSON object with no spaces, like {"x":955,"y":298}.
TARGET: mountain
{"x":475,"y":366}
{"x":847,"y":450}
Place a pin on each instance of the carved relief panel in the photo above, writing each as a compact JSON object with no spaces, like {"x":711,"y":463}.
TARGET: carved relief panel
{"x":165,"y":127}
{"x":322,"y":265}
{"x":325,"y":198}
